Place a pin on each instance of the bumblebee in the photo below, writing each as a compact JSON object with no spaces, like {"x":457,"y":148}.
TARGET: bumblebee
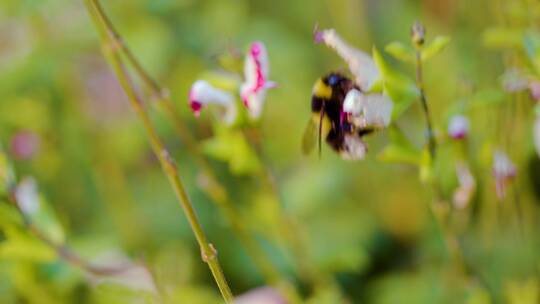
{"x":329,"y":121}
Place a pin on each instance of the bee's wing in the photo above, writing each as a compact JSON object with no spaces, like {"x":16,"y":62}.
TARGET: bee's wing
{"x":310,"y":136}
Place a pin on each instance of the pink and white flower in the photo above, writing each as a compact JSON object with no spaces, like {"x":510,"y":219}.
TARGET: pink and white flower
{"x":458,"y":128}
{"x":256,"y":82}
{"x":252,"y":91}
{"x":203,"y":94}
{"x":360,"y":63}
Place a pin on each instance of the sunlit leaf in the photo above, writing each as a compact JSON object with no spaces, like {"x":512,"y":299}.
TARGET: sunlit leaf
{"x":435,"y":47}
{"x":399,"y":87}
{"x":24,"y":247}
{"x":401,"y":51}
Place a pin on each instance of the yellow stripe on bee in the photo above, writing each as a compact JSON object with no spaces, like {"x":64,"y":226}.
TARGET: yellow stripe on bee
{"x":322,"y":90}
{"x":326,"y":124}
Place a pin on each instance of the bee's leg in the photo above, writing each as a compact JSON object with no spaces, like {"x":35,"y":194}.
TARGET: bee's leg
{"x":365,"y":131}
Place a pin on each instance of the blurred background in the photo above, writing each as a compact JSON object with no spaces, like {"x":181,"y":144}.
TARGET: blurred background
{"x":336,"y":231}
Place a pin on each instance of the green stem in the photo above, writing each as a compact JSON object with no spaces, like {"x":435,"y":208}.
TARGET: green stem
{"x":423,"y":99}
{"x":111,"y":49}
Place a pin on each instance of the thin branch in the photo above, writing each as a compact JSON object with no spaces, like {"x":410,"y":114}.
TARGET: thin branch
{"x":418,"y":33}
{"x":112,"y":51}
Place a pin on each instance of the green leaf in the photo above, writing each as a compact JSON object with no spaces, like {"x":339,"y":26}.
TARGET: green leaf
{"x":22,"y":247}
{"x":231,"y":146}
{"x":400,"y":149}
{"x":9,"y":216}
{"x":399,"y":87}
{"x":435,"y":47}
{"x":502,"y":38}
{"x":401,"y":51}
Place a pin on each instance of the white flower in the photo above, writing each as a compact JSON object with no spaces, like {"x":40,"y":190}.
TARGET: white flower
{"x":371,"y":110}
{"x":536,"y":133}
{"x":203,"y":93}
{"x":458,"y":128}
{"x":354,"y":148}
{"x":256,"y":83}
{"x":27,"y":196}
{"x":504,"y":172}
{"x":360,"y":63}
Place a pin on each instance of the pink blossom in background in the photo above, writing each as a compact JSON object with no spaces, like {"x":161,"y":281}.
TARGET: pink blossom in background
{"x":24,"y":145}
{"x":458,"y":127}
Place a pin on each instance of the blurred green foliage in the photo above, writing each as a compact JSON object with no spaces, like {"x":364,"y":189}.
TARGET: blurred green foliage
{"x":365,"y":229}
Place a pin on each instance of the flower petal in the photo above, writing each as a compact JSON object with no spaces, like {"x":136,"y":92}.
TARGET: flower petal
{"x":256,"y":70}
{"x":354,"y":148}
{"x":360,"y":63}
{"x":27,"y":196}
{"x":203,"y":93}
{"x":373,"y":110}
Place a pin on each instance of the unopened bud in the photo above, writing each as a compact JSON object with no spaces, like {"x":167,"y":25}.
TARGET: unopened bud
{"x":418,"y":34}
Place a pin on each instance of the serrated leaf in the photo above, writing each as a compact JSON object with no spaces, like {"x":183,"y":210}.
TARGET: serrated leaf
{"x":435,"y":47}
{"x":502,"y":38}
{"x":401,"y":51}
{"x":400,"y":149}
{"x":399,"y":87}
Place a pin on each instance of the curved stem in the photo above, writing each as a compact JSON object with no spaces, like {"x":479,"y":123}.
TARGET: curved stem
{"x":111,"y":49}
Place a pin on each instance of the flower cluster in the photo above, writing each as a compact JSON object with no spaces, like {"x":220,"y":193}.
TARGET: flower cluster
{"x":252,"y":91}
